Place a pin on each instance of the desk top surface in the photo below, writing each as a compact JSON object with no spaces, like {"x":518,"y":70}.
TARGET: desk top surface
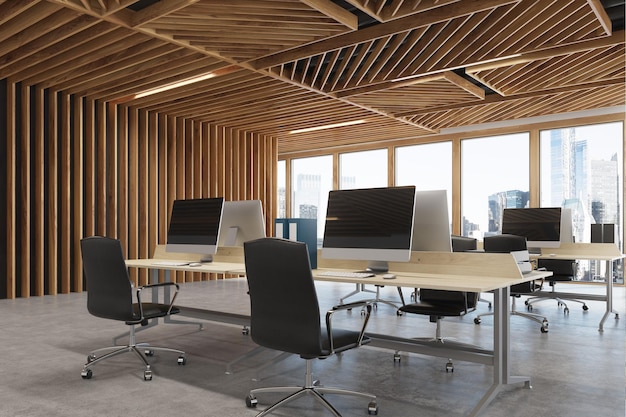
{"x":451,"y":282}
{"x":588,"y":251}
{"x":208,"y":267}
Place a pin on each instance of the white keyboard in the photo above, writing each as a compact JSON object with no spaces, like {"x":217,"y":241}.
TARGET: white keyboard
{"x":345,"y":274}
{"x":171,"y":263}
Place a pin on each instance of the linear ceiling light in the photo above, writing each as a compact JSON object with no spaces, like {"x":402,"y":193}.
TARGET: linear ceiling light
{"x":469,"y":66}
{"x":313,"y":129}
{"x":176,"y":84}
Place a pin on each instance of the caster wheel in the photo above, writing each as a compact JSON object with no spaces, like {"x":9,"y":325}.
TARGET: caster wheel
{"x":585,"y":307}
{"x":544,"y":329}
{"x":566,"y":310}
{"x":251,"y":401}
{"x":149,"y":353}
{"x":372,"y":408}
{"x":449,"y":367}
{"x":399,"y":313}
{"x":182,"y":360}
{"x":396,"y":357}
{"x":476,"y":320}
{"x":86,"y":374}
{"x":147,"y":375}
{"x":245,"y":331}
{"x":91,"y":358}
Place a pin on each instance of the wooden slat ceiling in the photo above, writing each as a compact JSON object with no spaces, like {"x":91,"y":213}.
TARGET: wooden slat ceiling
{"x":405,"y":68}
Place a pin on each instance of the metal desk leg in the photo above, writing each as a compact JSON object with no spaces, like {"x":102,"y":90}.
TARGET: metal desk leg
{"x":501,"y":351}
{"x":166,"y":299}
{"x":609,"y":295}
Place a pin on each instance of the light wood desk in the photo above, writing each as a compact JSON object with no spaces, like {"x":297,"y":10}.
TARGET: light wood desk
{"x":472,"y":272}
{"x":608,"y":252}
{"x":456,"y":271}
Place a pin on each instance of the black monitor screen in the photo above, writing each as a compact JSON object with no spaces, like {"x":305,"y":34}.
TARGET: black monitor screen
{"x":195,"y":221}
{"x":540,"y":226}
{"x":373,"y":218}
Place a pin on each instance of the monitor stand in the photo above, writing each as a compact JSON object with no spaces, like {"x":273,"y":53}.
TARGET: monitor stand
{"x":377,"y":266}
{"x":207,"y":258}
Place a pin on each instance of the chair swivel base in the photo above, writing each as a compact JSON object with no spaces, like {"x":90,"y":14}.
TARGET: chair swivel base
{"x":560,"y":302}
{"x":531,"y":316}
{"x":310,"y":388}
{"x":132,"y":346}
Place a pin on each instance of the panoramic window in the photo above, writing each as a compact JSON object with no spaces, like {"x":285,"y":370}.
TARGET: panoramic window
{"x":495,"y":176}
{"x":428,"y":167}
{"x":311,"y":180}
{"x":581,"y":170}
{"x":281,"y":189}
{"x":367,"y":169}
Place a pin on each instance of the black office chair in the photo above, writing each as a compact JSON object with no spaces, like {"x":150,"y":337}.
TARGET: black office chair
{"x":109,"y":296}
{"x":438,"y":304}
{"x":467,"y":244}
{"x":563,"y":270}
{"x":506,"y":243}
{"x":285,"y":316}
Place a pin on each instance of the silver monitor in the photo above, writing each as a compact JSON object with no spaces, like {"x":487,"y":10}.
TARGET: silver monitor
{"x":431,"y":224}
{"x":241,"y":221}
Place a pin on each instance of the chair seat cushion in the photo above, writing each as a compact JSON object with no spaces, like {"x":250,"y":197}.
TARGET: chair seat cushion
{"x":447,"y":309}
{"x":342,"y":340}
{"x":152,"y":310}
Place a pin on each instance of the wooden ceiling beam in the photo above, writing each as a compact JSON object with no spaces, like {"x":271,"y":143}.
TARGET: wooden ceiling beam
{"x":404,"y":24}
{"x":335,"y":12}
{"x":603,"y":18}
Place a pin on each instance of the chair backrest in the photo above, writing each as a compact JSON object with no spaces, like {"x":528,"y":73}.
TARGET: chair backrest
{"x":463,"y":243}
{"x":563,"y":269}
{"x":284,"y":309}
{"x":504,"y":243}
{"x":109,"y":290}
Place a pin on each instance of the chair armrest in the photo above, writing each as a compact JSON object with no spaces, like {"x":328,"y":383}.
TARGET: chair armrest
{"x":340,"y":307}
{"x":157,"y":285}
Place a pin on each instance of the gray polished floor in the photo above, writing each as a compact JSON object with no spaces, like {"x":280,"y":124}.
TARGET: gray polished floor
{"x":576,"y":370}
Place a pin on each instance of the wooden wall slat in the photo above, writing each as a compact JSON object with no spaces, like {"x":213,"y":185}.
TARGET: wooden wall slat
{"x":39,"y":208}
{"x":52,"y":204}
{"x":77,"y":192}
{"x":25,"y":191}
{"x":142,"y":208}
{"x":11,"y":167}
{"x":65,"y":192}
{"x":78,"y":167}
{"x":133,"y":189}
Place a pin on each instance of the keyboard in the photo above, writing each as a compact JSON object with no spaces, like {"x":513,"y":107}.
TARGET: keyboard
{"x":345,"y":274}
{"x":171,"y":263}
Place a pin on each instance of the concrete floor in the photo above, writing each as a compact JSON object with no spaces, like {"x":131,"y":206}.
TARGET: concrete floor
{"x":575,"y":370}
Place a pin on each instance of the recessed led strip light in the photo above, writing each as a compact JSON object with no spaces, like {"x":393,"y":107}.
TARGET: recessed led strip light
{"x":331,"y":126}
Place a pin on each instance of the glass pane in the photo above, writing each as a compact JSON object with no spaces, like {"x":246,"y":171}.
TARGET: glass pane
{"x":365,"y":169}
{"x":495,"y":176}
{"x":281,"y":188}
{"x":312,"y":179}
{"x":428,"y":167}
{"x":581,"y":169}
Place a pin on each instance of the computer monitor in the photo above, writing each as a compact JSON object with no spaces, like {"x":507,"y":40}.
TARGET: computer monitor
{"x":241,"y":221}
{"x":431,"y":224}
{"x":194,"y":226}
{"x":540,"y":226}
{"x":372,"y":224}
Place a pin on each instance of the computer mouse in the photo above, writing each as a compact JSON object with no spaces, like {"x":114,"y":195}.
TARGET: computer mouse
{"x":389,"y":276}
{"x":195,"y":264}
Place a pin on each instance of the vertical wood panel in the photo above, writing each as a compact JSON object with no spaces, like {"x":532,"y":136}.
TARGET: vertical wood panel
{"x":111,"y":169}
{"x":89,"y":168}
{"x":11,"y":167}
{"x":133,"y":190}
{"x":142,"y":232}
{"x":39,"y":208}
{"x":25,"y":185}
{"x":100,"y":177}
{"x":153,"y":184}
{"x":77,"y":192}
{"x":123,"y":179}
{"x":53,"y":189}
{"x":65,"y":193}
